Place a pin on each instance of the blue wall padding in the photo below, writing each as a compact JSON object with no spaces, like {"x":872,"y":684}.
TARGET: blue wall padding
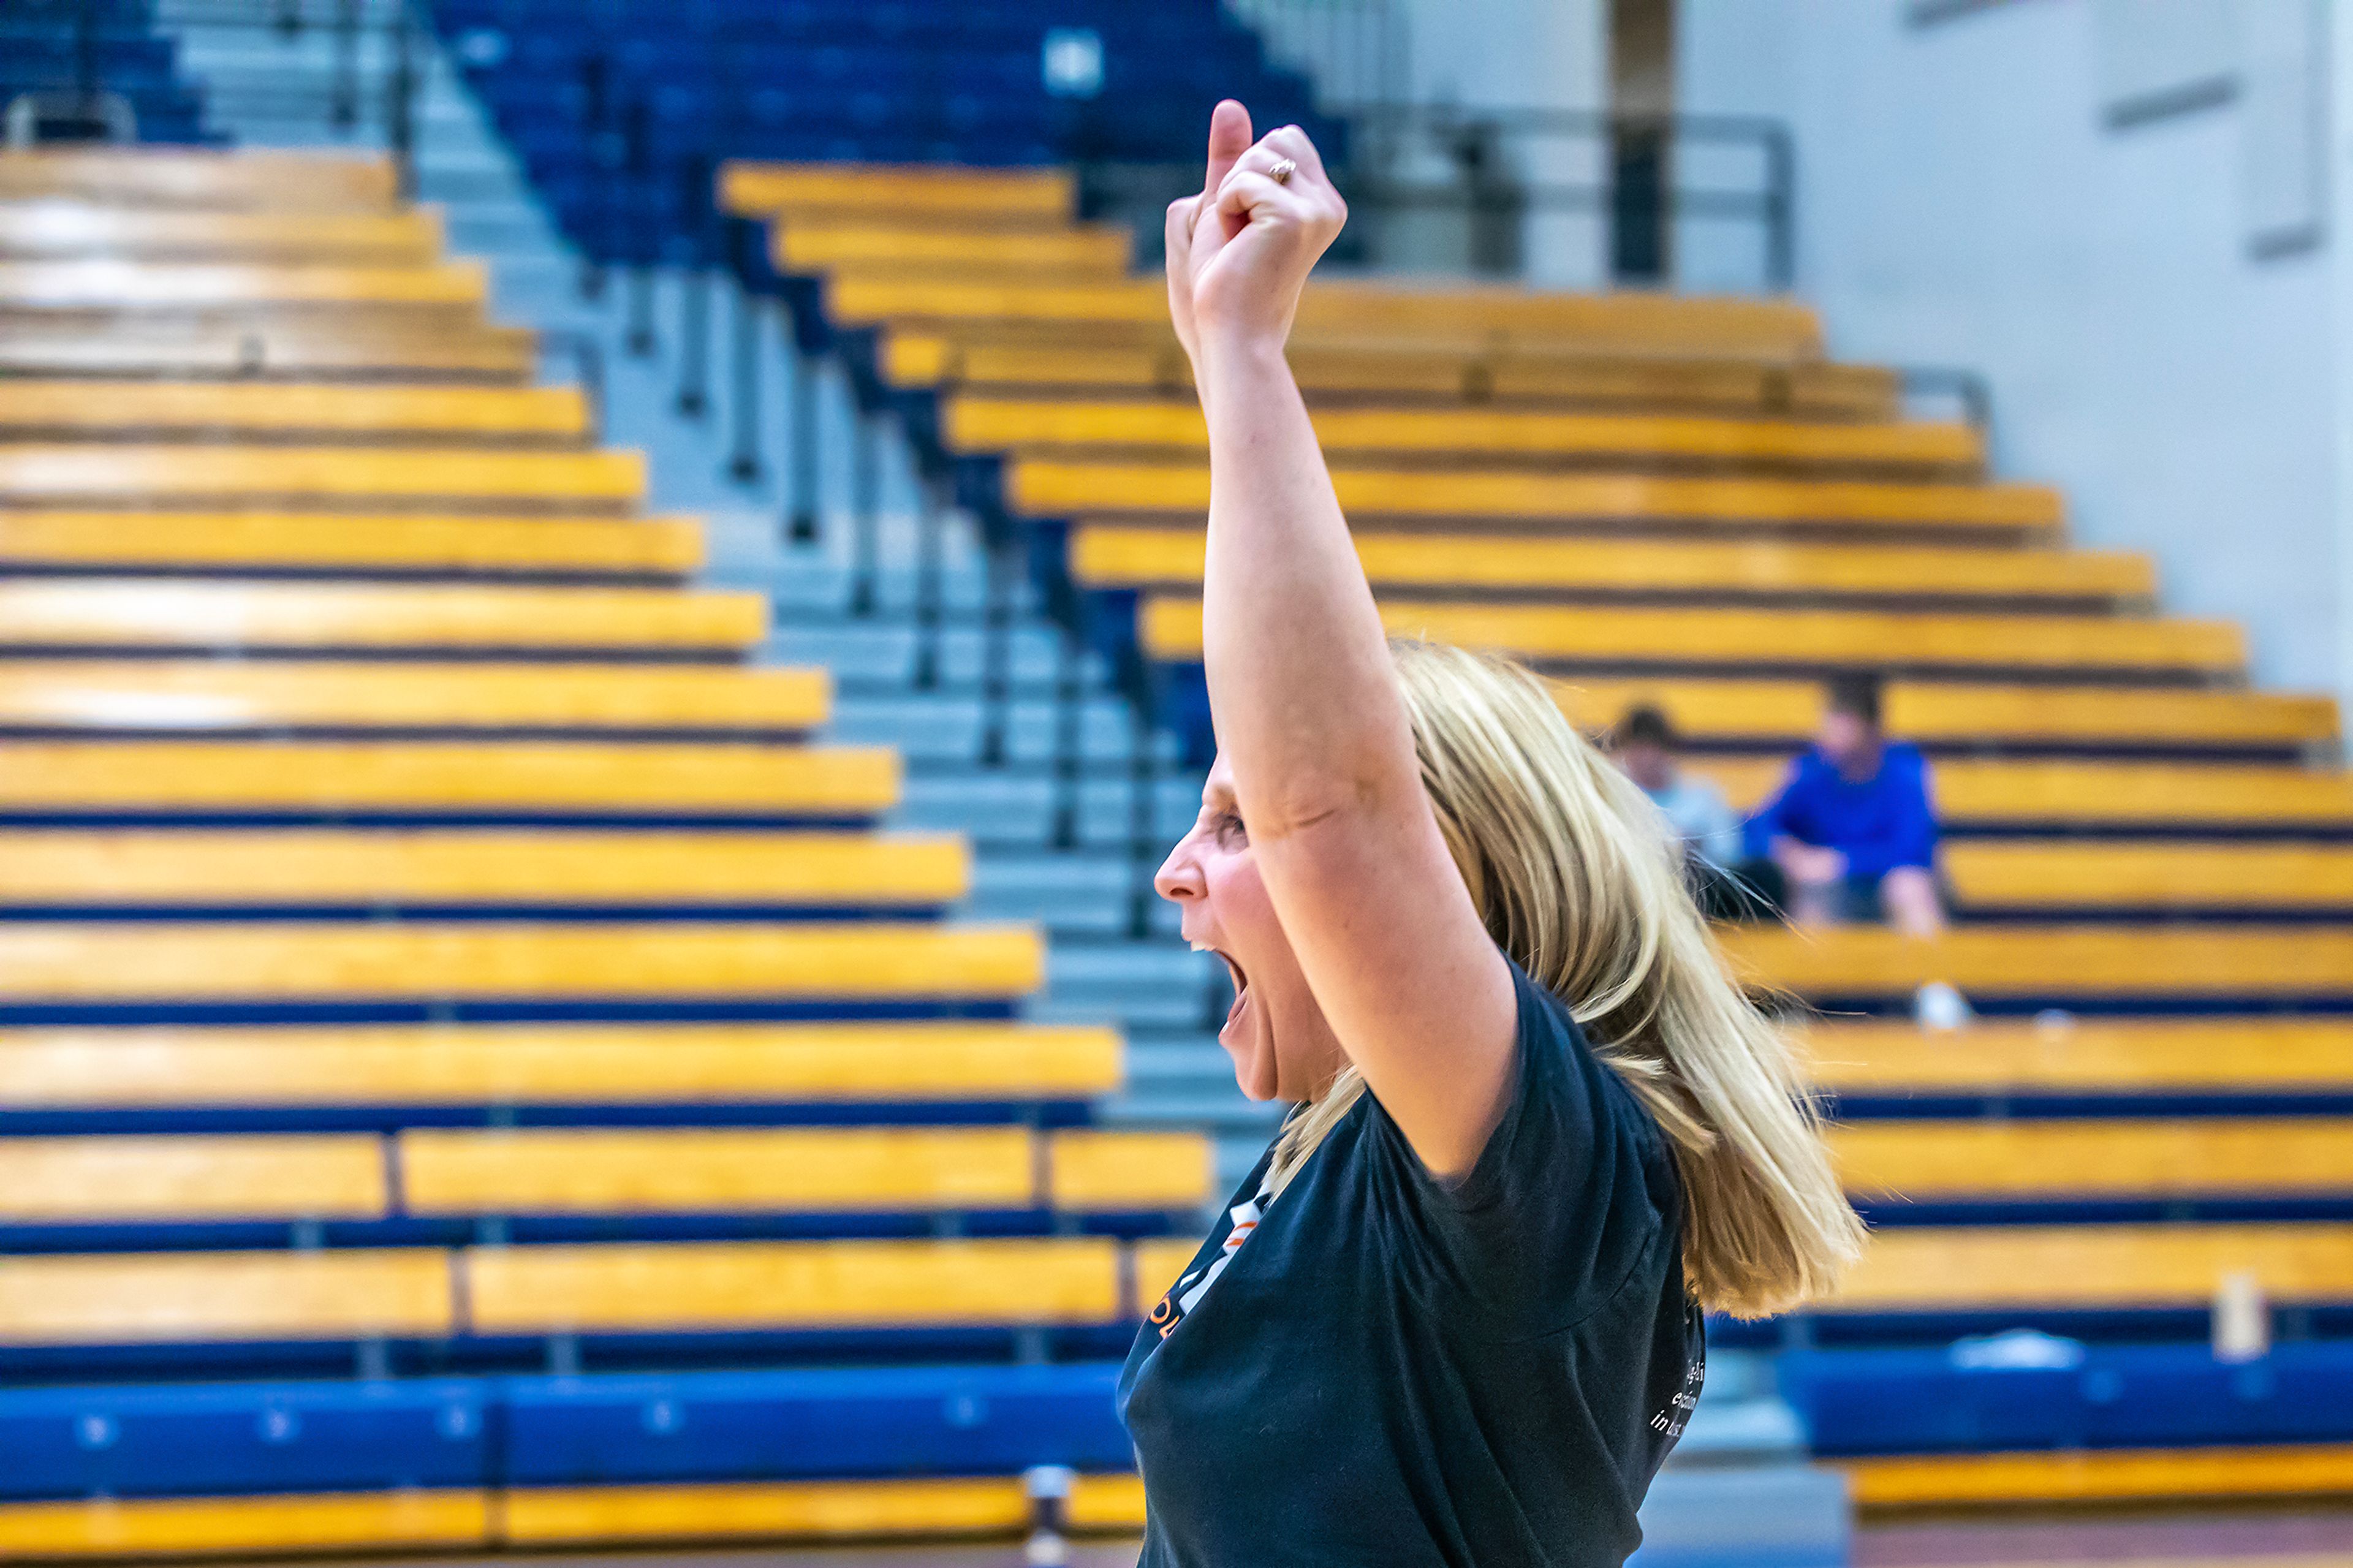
{"x":897,"y":1421}
{"x":216,"y":1439}
{"x":243,"y":1437}
{"x":2172,"y":1395}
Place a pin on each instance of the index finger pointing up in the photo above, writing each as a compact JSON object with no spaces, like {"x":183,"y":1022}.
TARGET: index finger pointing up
{"x":1229,"y":138}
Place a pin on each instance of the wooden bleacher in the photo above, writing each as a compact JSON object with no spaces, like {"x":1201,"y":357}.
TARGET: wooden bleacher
{"x":735,"y":780}
{"x":60,"y":230}
{"x":207,"y":475}
{"x":330,"y":543}
{"x":106,"y":612}
{"x":1112,"y":556}
{"x":615,"y":1172}
{"x":1730,"y":513}
{"x":1559,"y":637}
{"x":1490,"y":498}
{"x":162,"y":1068}
{"x":101,"y":697}
{"x":115,"y":410}
{"x":106,"y":967}
{"x":155,"y":869}
{"x":2107,"y":1058}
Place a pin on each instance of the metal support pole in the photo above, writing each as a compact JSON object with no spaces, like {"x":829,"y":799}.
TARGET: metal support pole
{"x":1781,"y":212}
{"x":640,"y":340}
{"x":346,"y":112}
{"x":997,"y":657}
{"x":744,"y":468}
{"x":1143,"y":785}
{"x":931,"y":526}
{"x":86,"y":72}
{"x":594,"y":81}
{"x":865,"y":514}
{"x":800,"y":436}
{"x":694,"y":342}
{"x":400,"y":106}
{"x":633,"y":237}
{"x":1069,"y":711}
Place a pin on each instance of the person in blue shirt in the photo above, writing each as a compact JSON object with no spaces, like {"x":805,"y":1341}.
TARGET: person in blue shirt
{"x":1453,"y":1315}
{"x":1852,"y":827}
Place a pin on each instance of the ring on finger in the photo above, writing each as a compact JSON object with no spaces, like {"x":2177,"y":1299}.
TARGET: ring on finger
{"x":1282,"y":169}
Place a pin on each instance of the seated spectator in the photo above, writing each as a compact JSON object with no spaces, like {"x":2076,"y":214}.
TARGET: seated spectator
{"x":1723,"y":880}
{"x":1851,"y":828}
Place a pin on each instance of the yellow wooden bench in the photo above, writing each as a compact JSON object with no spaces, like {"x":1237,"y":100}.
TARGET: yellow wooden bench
{"x":1495,"y":499}
{"x":1931,"y":1161}
{"x":2101,"y":1476}
{"x":198,"y":475}
{"x":341,"y":541}
{"x":326,"y":1523}
{"x":2085,"y":1266}
{"x":2055,"y":962}
{"x":602,"y":869}
{"x":712,"y":1285}
{"x":555,"y":1063}
{"x":128,"y":1298}
{"x":961,"y":1508}
{"x":1628,"y":324}
{"x":425,"y":777}
{"x":84,"y":1180}
{"x":1111,"y":555}
{"x":2087,"y":876}
{"x":2085,"y":1056}
{"x":31,"y":409}
{"x":160,"y":612}
{"x":987,"y":356}
{"x":1738,"y":711}
{"x":798,"y":962}
{"x":452,"y":291}
{"x":712,"y":1169}
{"x":1172,"y":428}
{"x":2008,"y":791}
{"x":68,"y":230}
{"x":949,"y":195}
{"x":878,"y":244}
{"x":817,"y":1510}
{"x":231,"y":181}
{"x":201,"y":696}
{"x":1169,"y":629}
{"x":278,"y":347}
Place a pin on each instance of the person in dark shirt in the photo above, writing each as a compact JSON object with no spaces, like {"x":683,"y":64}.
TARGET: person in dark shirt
{"x":1453,"y":1315}
{"x":1852,"y":826}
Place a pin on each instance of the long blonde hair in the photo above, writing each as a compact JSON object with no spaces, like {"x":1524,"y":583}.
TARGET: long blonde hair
{"x":1574,"y":873}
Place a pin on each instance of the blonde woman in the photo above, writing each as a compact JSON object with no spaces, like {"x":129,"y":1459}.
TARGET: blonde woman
{"x":1453,"y":1317}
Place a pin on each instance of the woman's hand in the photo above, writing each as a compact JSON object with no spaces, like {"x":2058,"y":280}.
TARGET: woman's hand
{"x":1239,"y":253}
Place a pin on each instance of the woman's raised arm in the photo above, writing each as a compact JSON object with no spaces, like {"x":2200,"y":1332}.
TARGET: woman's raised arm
{"x":1301,"y":685}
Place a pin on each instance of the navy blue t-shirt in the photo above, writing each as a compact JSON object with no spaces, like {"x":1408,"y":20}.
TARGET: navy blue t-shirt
{"x":1387,"y":1370}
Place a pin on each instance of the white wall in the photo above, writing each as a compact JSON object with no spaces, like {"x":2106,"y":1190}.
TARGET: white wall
{"x":1961,"y":202}
{"x":1525,"y":54}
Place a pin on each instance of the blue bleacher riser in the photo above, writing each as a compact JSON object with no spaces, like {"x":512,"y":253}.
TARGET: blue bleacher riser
{"x":2134,"y":1396}
{"x":827,"y":1422}
{"x":800,"y":1425}
{"x":246,"y":1437}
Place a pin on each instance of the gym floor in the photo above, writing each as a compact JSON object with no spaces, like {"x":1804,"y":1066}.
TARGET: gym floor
{"x":2314,"y":1537}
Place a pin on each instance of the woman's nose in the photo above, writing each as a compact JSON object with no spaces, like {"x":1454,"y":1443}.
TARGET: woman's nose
{"x":1179,"y":877}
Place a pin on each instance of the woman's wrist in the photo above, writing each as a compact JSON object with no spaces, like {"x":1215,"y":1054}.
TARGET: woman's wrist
{"x":1244,"y":351}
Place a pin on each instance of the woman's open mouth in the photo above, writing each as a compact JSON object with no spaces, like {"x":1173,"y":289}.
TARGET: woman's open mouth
{"x":1234,"y":973}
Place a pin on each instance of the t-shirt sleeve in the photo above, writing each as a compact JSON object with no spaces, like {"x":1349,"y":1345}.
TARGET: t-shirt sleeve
{"x":1560,"y":1207}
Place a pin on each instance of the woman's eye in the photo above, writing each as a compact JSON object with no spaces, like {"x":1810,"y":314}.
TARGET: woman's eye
{"x":1227,"y":826}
